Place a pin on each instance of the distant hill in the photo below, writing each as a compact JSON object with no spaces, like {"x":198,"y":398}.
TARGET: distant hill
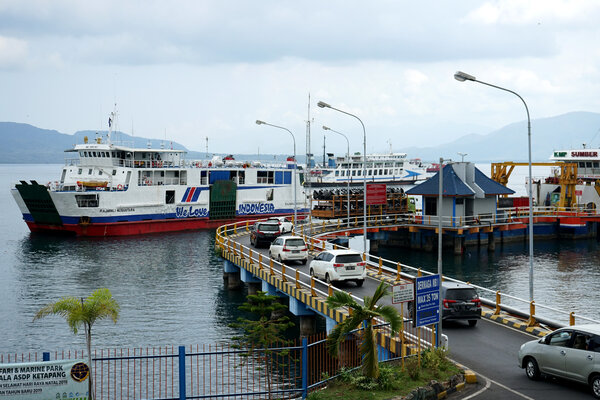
{"x":509,"y":143}
{"x":23,"y":143}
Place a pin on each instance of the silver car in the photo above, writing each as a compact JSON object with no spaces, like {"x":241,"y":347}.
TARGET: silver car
{"x":571,"y":353}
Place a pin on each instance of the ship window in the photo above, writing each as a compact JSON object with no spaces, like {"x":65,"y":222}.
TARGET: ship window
{"x":370,"y":172}
{"x":203,"y":177}
{"x":264,"y":177}
{"x":170,"y":197}
{"x":588,"y":164}
{"x":595,"y":165}
{"x":380,"y":172}
{"x":89,"y":171}
{"x":94,"y":154}
{"x":337,"y":173}
{"x":581,"y":165}
{"x":385,"y":171}
{"x":114,"y":172}
{"x":100,"y":172}
{"x":79,"y":171}
{"x":354,"y":173}
{"x":374,"y":172}
{"x":87,"y":200}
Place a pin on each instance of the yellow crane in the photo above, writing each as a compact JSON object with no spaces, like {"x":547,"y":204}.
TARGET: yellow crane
{"x":567,"y":178}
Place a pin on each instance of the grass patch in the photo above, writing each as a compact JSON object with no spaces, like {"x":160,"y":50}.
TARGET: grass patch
{"x":392,"y":381}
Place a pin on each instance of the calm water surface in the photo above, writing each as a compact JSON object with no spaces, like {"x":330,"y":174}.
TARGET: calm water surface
{"x":170,"y":286}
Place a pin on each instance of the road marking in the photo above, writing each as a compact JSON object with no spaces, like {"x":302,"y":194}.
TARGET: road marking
{"x":499,"y":384}
{"x":510,"y":327}
{"x":486,"y":387}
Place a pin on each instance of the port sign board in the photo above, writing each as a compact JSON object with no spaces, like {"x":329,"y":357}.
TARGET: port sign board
{"x":376,"y":194}
{"x":402,"y":293}
{"x":427,"y":300}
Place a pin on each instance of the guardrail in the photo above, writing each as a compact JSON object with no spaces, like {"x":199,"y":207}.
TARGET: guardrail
{"x":421,"y":337}
{"x":530,"y":311}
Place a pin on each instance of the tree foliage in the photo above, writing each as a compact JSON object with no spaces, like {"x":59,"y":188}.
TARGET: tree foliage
{"x":80,"y":313}
{"x":363,"y":315}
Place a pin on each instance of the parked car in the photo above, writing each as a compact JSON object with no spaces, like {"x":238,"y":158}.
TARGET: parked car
{"x":285,"y":225}
{"x":571,"y":353}
{"x":459,"y":302}
{"x":289,"y":248}
{"x":339,"y":265}
{"x":263,"y":232}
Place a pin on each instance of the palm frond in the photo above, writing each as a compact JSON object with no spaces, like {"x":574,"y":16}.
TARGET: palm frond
{"x":391,"y":315}
{"x":341,"y":299}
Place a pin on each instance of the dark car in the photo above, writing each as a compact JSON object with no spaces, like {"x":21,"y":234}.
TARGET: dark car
{"x":460,"y":301}
{"x":263,"y":232}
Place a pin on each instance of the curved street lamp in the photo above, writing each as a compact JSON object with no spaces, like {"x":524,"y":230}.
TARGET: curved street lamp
{"x":347,"y":169}
{"x":461,"y":77}
{"x":259,"y":122}
{"x":325,"y":105}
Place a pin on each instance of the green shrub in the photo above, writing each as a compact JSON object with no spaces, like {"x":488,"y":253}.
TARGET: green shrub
{"x":387,"y":377}
{"x":413,"y":368}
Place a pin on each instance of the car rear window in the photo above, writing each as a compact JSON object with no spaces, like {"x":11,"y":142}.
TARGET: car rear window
{"x":294,"y":242}
{"x":268,"y":228}
{"x":461,"y":294}
{"x":348,"y":258}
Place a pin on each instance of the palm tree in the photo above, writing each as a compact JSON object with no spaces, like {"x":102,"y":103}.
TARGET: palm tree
{"x":363,"y":313}
{"x":84,"y":313}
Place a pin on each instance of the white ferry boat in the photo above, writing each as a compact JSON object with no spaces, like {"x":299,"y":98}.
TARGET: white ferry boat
{"x":389,"y":168}
{"x":111,"y":190}
{"x":586,"y":191}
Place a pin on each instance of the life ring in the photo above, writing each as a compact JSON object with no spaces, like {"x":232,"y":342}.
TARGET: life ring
{"x":148,"y":182}
{"x":119,"y":187}
{"x":579,"y":182}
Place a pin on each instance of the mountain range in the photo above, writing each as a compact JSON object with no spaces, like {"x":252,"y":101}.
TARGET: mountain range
{"x":23,"y":143}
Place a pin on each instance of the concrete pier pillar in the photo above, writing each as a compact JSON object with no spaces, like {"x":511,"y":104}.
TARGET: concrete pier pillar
{"x":491,"y":241}
{"x":308,"y":325}
{"x":458,"y":248}
{"x":254,"y":287}
{"x":428,"y":246}
{"x":233,"y":280}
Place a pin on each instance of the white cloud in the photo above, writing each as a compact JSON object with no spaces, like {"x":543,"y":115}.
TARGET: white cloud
{"x":13,"y":53}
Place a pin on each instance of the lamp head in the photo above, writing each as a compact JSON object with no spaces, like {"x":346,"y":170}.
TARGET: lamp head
{"x":325,"y":128}
{"x":462,"y":76}
{"x":259,"y":122}
{"x":323,"y":104}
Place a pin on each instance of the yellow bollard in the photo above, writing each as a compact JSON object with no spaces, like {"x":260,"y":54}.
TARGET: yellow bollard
{"x":419,"y":273}
{"x":531,"y":321}
{"x":235,"y":229}
{"x":297,"y":279}
{"x":271,"y":267}
{"x":572,"y":318}
{"x":312,"y":286}
{"x":379,"y":271}
{"x":247,"y":226}
{"x":250,"y":254}
{"x":330,"y":290}
{"x":260,"y":262}
{"x":283,"y":277}
{"x":497,"y":310}
{"x":323,"y":227}
{"x":398,"y":273}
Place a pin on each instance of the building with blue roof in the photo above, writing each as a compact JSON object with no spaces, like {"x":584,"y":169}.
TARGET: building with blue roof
{"x":468,"y":195}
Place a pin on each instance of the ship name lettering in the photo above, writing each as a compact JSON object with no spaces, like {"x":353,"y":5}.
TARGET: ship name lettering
{"x":256,"y":208}
{"x":190,"y":212}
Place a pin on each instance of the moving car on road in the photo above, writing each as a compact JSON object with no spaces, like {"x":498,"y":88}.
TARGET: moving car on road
{"x":289,"y":248}
{"x":263,"y":232}
{"x":571,"y":353}
{"x":339,"y":265}
{"x":285,"y":225}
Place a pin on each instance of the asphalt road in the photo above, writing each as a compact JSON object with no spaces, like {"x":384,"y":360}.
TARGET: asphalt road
{"x":489,"y":349}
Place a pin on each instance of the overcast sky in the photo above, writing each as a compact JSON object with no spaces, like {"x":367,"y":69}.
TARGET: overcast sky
{"x":187,"y":70}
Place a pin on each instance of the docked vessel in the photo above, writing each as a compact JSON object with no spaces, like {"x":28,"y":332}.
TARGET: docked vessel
{"x":577,"y":182}
{"x":110,"y":190}
{"x":389,"y":168}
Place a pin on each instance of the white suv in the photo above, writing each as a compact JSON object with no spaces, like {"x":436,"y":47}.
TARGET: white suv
{"x":339,"y":265}
{"x":288,"y":248}
{"x":285,"y":225}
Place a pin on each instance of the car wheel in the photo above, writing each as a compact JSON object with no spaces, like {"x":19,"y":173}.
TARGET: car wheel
{"x":359,"y":282}
{"x":304,"y":261}
{"x":472,"y":322}
{"x":279,"y":259}
{"x":532,"y":370}
{"x":312,"y":272}
{"x":252,"y":242}
{"x":327,"y":279}
{"x":270,"y":255}
{"x":595,"y":385}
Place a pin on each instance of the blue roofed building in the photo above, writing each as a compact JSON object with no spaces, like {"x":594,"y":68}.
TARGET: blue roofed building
{"x":468,"y":195}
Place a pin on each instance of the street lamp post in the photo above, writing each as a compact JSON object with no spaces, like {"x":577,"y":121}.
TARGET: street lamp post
{"x":325,"y":105}
{"x":461,"y":76}
{"x":258,"y":122}
{"x":347,"y":169}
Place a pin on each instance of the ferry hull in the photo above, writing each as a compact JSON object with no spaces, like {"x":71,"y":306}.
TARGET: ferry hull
{"x":137,"y":227}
